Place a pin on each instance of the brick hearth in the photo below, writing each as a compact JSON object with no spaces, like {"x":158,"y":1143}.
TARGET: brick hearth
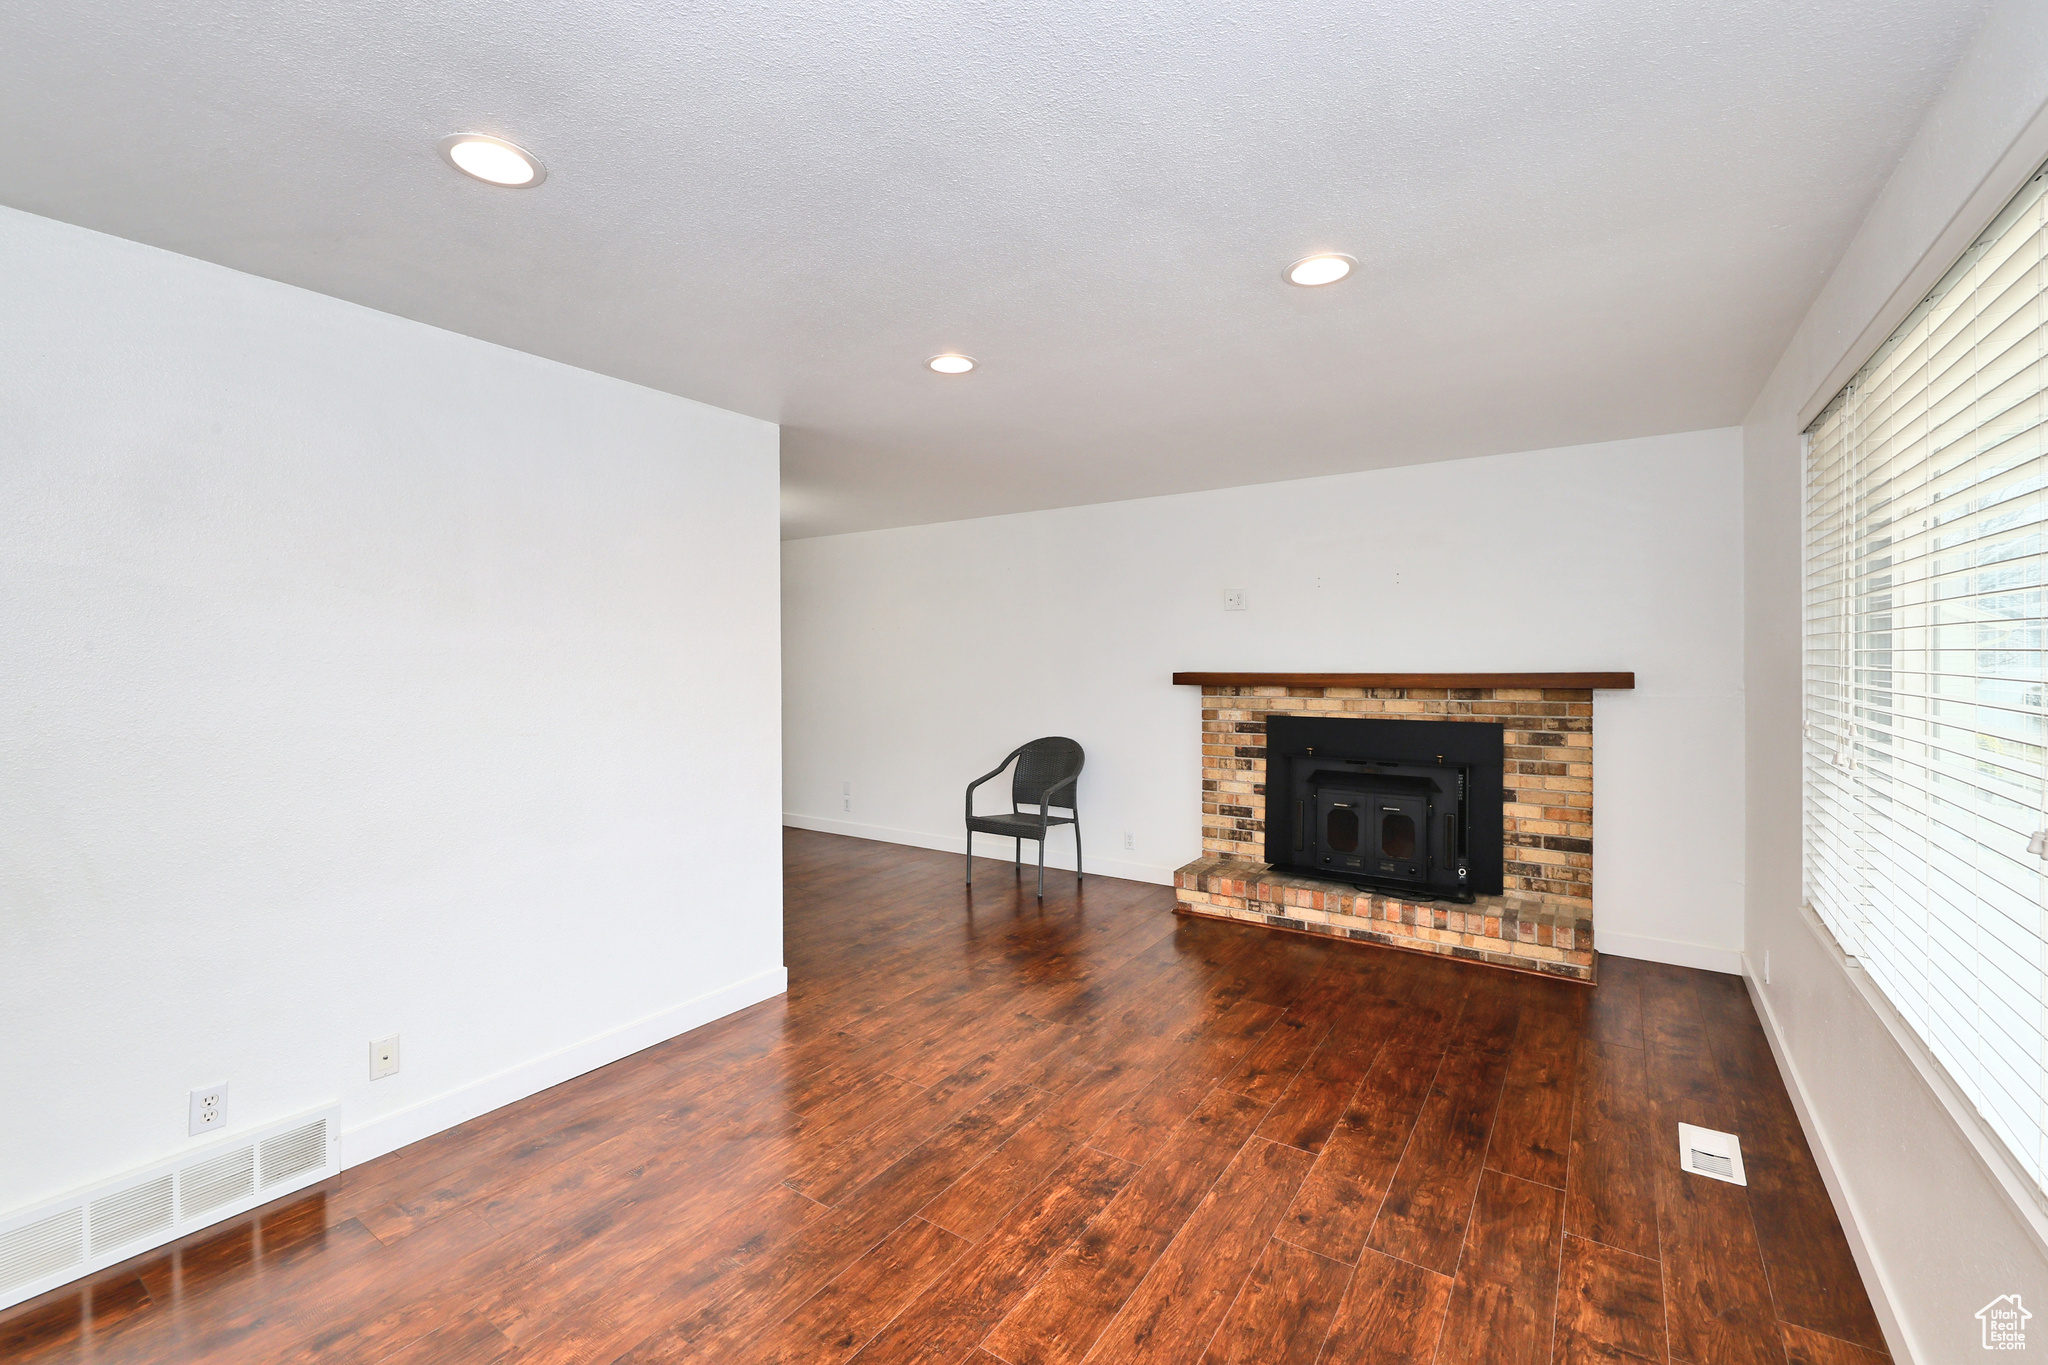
{"x":1544,"y":920}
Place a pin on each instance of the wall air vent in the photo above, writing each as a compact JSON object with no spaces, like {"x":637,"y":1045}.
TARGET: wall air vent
{"x":31,"y":1253}
{"x":293,"y":1153}
{"x":1707,"y":1152}
{"x":60,"y":1240}
{"x":132,"y":1214}
{"x":217,"y":1181}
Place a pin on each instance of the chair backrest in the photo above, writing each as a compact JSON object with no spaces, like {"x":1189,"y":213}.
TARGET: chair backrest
{"x":1040,"y":765}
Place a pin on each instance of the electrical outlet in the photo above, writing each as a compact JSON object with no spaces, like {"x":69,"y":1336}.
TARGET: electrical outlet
{"x":1767,"y":966}
{"x":209,"y":1109}
{"x":1234,"y":600}
{"x":1130,"y":842}
{"x":846,"y":796}
{"x":384,"y":1058}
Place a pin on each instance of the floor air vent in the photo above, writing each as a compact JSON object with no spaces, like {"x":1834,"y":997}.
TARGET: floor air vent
{"x":1707,"y":1152}
{"x":60,"y":1240}
{"x":1712,"y":1163}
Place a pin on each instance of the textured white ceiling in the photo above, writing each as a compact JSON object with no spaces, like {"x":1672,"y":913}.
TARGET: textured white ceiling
{"x":1576,"y":220}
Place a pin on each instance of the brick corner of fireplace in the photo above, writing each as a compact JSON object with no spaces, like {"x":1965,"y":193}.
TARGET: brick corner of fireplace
{"x":1543,"y":920}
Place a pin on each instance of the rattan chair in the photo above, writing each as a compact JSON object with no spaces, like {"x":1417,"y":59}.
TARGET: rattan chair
{"x":1047,"y":770}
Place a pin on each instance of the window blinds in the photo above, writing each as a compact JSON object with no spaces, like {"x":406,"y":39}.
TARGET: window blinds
{"x":1924,"y":759}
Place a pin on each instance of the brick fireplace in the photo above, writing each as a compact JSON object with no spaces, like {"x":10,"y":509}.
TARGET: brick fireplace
{"x":1543,"y":919}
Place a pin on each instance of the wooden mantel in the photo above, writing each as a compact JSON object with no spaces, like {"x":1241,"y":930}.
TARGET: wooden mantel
{"x":1617,"y":681}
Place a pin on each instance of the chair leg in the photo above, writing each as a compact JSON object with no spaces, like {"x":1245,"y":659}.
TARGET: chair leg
{"x":970,"y":856}
{"x":1017,"y":859}
{"x":1077,"y":848}
{"x":1041,"y":869}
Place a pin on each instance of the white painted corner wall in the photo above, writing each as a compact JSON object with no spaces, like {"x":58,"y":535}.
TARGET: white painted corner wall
{"x":1935,"y":1226}
{"x":360,"y":678}
{"x":915,"y":658}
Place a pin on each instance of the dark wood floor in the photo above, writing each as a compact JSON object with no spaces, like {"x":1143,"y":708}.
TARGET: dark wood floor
{"x":988,"y":1132}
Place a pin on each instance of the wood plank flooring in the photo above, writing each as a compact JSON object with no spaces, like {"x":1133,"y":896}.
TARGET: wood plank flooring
{"x":1090,"y":1132}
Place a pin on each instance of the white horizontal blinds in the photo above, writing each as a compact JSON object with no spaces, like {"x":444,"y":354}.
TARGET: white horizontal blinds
{"x":1926,"y":503}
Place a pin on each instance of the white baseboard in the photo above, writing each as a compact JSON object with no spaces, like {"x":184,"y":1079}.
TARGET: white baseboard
{"x":368,"y":1141}
{"x":1669,"y":951}
{"x":1059,"y":853}
{"x":1874,"y":1278}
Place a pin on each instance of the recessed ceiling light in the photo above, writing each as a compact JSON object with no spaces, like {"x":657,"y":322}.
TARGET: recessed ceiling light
{"x":951,"y":363}
{"x":493,"y":160}
{"x":1326,"y":267}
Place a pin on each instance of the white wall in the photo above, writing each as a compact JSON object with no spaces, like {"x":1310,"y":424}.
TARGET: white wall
{"x":358,"y":678}
{"x":1929,"y":1211}
{"x":914,"y":659}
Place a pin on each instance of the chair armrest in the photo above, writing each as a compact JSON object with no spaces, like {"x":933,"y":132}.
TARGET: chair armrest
{"x":996,"y":771}
{"x":1045,"y":802}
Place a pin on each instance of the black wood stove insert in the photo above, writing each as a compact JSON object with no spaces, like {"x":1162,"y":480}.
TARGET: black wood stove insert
{"x":1411,"y":807}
